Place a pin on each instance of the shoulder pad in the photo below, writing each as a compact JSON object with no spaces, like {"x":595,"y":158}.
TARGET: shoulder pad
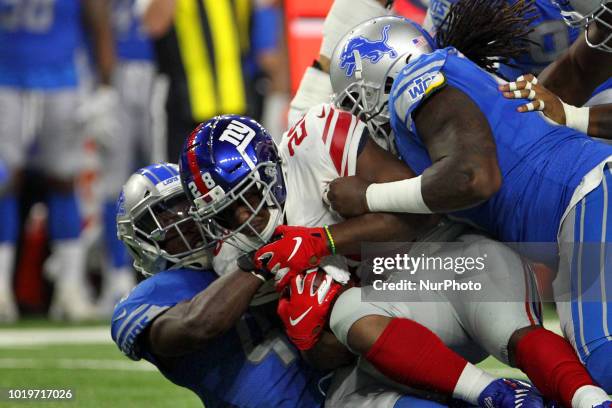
{"x":415,"y":83}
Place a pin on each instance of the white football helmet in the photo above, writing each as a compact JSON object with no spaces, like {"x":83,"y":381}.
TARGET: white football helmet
{"x":153,"y":221}
{"x":581,"y":13}
{"x":366,"y":62}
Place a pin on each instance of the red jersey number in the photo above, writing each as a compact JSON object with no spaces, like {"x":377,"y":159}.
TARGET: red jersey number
{"x":296,"y":135}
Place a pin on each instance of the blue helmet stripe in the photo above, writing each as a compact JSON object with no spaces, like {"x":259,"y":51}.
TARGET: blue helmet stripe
{"x":158,"y":172}
{"x":171,"y":169}
{"x":151,"y":176}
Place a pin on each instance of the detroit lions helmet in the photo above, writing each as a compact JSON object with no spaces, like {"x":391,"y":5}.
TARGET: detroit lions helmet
{"x":366,"y":62}
{"x":226,"y":160}
{"x":581,"y":13}
{"x":153,"y":222}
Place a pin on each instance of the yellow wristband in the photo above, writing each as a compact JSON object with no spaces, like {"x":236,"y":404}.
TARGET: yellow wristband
{"x":332,"y":244}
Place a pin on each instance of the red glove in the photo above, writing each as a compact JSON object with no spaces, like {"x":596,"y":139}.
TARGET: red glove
{"x":297,"y":250}
{"x":304,"y":313}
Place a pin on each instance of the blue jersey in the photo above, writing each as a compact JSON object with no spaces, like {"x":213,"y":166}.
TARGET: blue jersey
{"x":252,"y":365}
{"x":38,"y":42}
{"x":605,"y":86}
{"x":541,"y":163}
{"x":131,"y":41}
{"x":551,"y":36}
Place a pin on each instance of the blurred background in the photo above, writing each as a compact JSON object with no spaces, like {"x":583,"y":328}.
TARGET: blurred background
{"x":92,"y":90}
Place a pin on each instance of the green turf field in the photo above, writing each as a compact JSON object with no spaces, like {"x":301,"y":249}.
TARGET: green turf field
{"x":34,"y":354}
{"x":98,"y":374}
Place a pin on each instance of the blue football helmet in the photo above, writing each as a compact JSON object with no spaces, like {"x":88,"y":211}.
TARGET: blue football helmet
{"x":154,"y":223}
{"x":224,"y":159}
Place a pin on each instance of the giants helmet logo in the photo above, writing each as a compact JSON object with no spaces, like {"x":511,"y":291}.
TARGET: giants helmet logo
{"x":240,"y":135}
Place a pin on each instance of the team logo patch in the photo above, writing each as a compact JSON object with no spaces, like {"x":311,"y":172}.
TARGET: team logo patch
{"x":373,"y":50}
{"x":425,"y":85}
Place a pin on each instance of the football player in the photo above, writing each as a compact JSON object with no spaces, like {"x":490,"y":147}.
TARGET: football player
{"x":579,"y":71}
{"x":39,"y":100}
{"x":197,"y":328}
{"x":550,"y":35}
{"x":539,"y":185}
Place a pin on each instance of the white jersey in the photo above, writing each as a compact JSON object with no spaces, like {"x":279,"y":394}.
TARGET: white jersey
{"x":319,"y":148}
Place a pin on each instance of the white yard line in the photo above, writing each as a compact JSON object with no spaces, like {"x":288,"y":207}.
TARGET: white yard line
{"x":45,"y":337}
{"x":76,"y":364}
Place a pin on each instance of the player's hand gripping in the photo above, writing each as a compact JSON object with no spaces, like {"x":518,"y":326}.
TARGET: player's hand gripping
{"x":541,"y":98}
{"x":305,"y":310}
{"x":298,"y":249}
{"x":347,"y":196}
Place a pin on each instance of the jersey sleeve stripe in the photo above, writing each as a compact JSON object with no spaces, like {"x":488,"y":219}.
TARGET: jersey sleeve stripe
{"x":347,"y":144}
{"x":327,"y":123}
{"x":132,"y":316}
{"x":137,"y":326}
{"x":353,"y":148}
{"x":332,"y":127}
{"x":339,"y":139}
